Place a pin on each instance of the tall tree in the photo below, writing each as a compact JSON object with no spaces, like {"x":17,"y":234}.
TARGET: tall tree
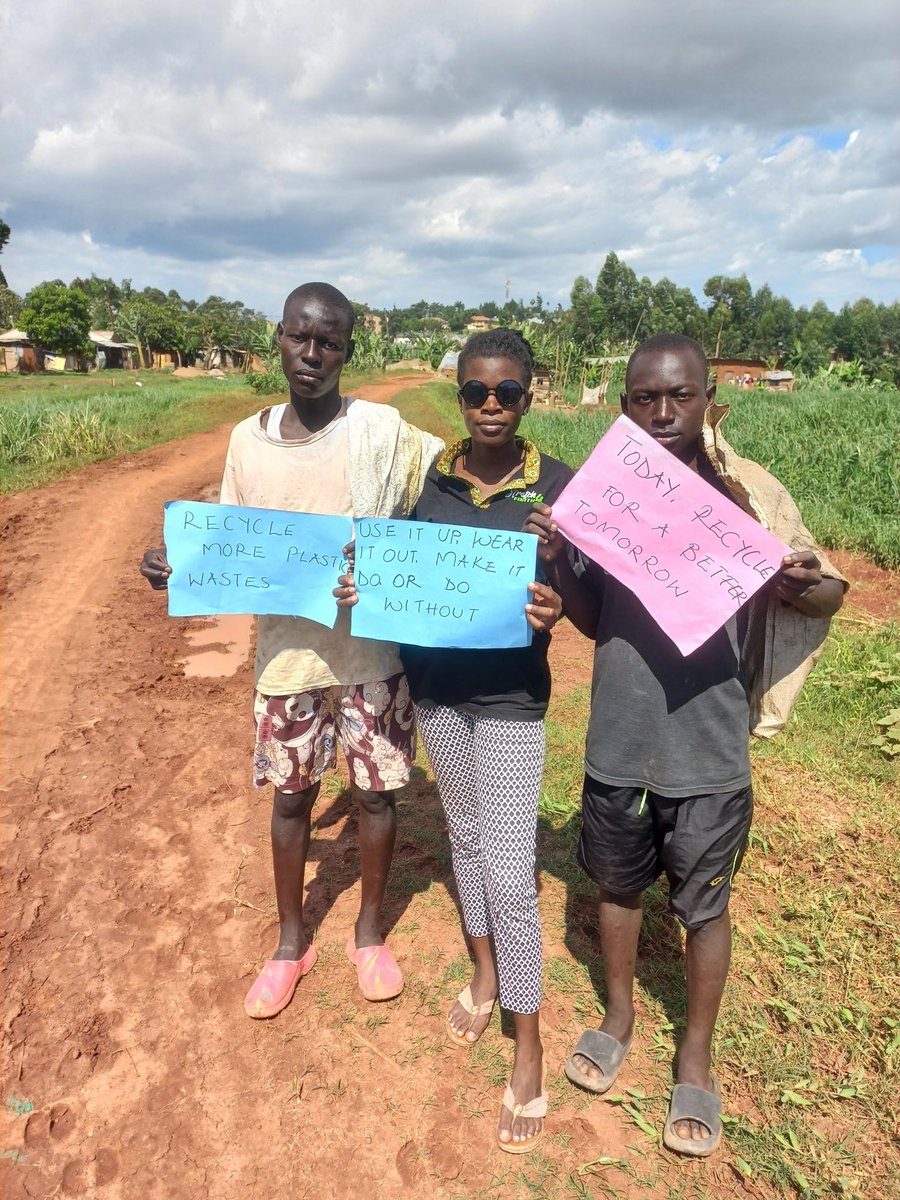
{"x":889,"y":316}
{"x":621,"y":300}
{"x":11,"y":306}
{"x":58,"y":318}
{"x":4,"y":238}
{"x":135,"y":323}
{"x":813,"y":340}
{"x":729,"y":313}
{"x":773,"y":330}
{"x":584,"y":312}
{"x":865,"y":335}
{"x":672,"y":309}
{"x":106,"y":298}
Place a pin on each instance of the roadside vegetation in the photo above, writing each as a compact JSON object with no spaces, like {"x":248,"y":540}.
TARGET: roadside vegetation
{"x":52,"y":425}
{"x":604,"y":318}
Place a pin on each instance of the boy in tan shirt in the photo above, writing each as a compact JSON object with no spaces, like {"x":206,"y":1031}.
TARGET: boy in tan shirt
{"x":322,"y":452}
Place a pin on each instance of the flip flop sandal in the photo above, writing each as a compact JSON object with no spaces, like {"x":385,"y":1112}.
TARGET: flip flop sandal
{"x":691,"y":1103}
{"x":605,"y":1052}
{"x":274,"y":986}
{"x":534,"y":1109}
{"x":475,"y":1011}
{"x":377,"y":971}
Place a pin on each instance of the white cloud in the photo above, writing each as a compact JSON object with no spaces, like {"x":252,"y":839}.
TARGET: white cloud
{"x":841,"y":260}
{"x":407,"y":151}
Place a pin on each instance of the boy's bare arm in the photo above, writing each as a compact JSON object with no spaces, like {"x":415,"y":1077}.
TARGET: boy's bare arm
{"x":800,"y":583}
{"x":580,"y":604}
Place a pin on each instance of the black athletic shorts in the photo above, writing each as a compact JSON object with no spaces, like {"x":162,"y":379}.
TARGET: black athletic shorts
{"x":629,"y":836}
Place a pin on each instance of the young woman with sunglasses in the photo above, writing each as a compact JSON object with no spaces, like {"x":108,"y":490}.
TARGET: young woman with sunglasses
{"x":480,"y":714}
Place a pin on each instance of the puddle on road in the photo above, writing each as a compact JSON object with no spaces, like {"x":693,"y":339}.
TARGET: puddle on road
{"x":219,"y":647}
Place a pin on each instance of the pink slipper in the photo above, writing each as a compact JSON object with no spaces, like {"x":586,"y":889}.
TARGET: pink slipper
{"x":274,"y":986}
{"x":380,"y":978}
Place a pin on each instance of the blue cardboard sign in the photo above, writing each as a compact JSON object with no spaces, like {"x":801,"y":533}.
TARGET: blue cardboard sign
{"x":451,"y":586}
{"x":229,"y":559}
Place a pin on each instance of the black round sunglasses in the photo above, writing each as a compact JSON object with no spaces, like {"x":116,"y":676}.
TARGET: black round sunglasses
{"x":509,"y":392}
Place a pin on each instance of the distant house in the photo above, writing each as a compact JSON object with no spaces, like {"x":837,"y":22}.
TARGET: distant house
{"x":542,"y":386}
{"x":778,"y":381}
{"x":741,"y":372}
{"x":750,"y":372}
{"x":109,"y":352}
{"x":374,"y":322}
{"x":19,"y":353}
{"x":480,"y":323}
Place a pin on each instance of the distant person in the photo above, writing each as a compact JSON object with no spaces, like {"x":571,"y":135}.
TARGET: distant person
{"x":481,"y":716}
{"x":321,"y":452}
{"x":667,"y":785}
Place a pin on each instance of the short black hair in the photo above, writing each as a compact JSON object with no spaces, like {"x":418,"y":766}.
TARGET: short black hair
{"x":498,"y":343}
{"x":331,"y":296}
{"x":662,"y":343}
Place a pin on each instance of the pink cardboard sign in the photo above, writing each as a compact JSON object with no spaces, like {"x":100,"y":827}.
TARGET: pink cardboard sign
{"x":689,"y":554}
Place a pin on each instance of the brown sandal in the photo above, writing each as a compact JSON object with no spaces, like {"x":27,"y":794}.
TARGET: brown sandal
{"x":536,"y":1108}
{"x":475,"y":1011}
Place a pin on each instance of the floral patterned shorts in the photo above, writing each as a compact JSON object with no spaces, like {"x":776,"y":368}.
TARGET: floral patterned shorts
{"x":296,"y":736}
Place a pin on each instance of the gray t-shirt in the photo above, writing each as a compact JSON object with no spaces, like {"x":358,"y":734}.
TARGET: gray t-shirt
{"x":659,"y":720}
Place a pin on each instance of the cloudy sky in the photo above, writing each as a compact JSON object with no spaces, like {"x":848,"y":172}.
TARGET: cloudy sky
{"x":406,"y":150}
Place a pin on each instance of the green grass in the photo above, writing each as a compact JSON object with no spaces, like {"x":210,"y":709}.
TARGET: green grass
{"x":810,"y":1023}
{"x":53,"y":427}
{"x":50,"y":426}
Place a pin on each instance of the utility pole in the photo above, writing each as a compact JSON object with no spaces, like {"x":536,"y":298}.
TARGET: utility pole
{"x":506,"y":290}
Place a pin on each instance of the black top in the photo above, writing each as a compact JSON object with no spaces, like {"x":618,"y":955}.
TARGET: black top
{"x":510,"y":685}
{"x":675,"y":724}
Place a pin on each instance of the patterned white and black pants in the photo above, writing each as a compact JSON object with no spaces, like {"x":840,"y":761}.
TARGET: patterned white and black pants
{"x":488,"y":774}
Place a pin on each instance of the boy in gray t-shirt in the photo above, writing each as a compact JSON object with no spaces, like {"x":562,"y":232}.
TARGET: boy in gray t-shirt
{"x":667,"y":768}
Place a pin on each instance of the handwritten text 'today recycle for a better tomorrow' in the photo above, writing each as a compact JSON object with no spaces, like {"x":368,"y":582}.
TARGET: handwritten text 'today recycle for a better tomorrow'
{"x":690,"y":554}
{"x":624,"y":536}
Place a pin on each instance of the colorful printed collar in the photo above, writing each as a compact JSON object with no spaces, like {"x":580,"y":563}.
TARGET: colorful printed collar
{"x":530,"y":473}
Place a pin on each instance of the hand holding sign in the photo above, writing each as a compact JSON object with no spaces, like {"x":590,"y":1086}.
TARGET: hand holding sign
{"x":443,"y":585}
{"x":689,"y":554}
{"x":229,"y":559}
